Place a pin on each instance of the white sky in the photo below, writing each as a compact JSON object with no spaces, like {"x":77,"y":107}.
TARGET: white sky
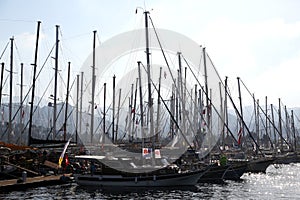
{"x":256,"y":40}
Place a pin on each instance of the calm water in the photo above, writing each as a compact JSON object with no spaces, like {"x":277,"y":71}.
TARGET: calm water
{"x":280,"y":182}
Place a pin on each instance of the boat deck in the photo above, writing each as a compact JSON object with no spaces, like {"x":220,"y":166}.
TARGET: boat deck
{"x":14,"y":184}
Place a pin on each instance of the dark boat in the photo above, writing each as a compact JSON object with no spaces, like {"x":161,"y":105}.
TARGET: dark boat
{"x":290,"y":157}
{"x":236,"y":170}
{"x":215,"y":174}
{"x":101,"y":175}
{"x":259,"y":165}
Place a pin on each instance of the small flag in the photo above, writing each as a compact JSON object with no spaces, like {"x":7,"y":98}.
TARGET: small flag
{"x":67,"y":160}
{"x":157,"y":153}
{"x":63,"y":153}
{"x":147,"y":153}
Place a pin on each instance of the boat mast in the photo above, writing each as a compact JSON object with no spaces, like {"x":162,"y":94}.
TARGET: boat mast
{"x":182,"y":92}
{"x":225,"y":112}
{"x":141,"y":104}
{"x":195,"y":121}
{"x":10,"y":90}
{"x":130,"y":114}
{"x":118,"y":115}
{"x":21,"y":102}
{"x":172,"y":111}
{"x":222,"y":125}
{"x":80,"y":109}
{"x":293,"y":130}
{"x":150,"y":103}
{"x":134,"y":107}
{"x":158,"y":106}
{"x":77,"y":101}
{"x":113,"y":109}
{"x":266,"y":116}
{"x":33,"y":83}
{"x":288,"y":137}
{"x":67,"y":102}
{"x":55,"y":83}
{"x":241,"y":108}
{"x":257,"y":120}
{"x":2,"y":74}
{"x":207,"y":99}
{"x":274,"y":130}
{"x":280,"y":126}
{"x":93,"y":87}
{"x":104,"y":113}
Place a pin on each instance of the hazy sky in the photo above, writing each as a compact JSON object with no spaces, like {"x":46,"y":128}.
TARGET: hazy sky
{"x":257,"y":40}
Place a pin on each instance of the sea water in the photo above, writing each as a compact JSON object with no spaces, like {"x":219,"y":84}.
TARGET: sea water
{"x":279,"y":182}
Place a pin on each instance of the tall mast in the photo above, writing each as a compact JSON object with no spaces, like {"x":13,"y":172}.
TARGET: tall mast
{"x":273,"y":122}
{"x":104,"y":114}
{"x":55,"y":83}
{"x":195,"y":120}
{"x":67,"y":102}
{"x":134,"y":106}
{"x":288,"y":138}
{"x":257,"y":120}
{"x":267,"y":117}
{"x":158,"y":106}
{"x":118,"y":115}
{"x":241,"y":107}
{"x":10,"y":90}
{"x":2,"y":74}
{"x":225,"y":112}
{"x":113,"y":108}
{"x":21,"y":101}
{"x":33,"y":83}
{"x":293,"y":130}
{"x":141,"y":104}
{"x":77,"y":110}
{"x":172,"y":110}
{"x":93,"y":87}
{"x":207,"y":98}
{"x":130,"y":109}
{"x":222,"y":124}
{"x":182,"y":92}
{"x":80,"y":108}
{"x":280,"y":126}
{"x":150,"y":103}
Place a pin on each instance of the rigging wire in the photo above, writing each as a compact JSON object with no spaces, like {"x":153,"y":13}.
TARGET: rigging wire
{"x":4,"y":50}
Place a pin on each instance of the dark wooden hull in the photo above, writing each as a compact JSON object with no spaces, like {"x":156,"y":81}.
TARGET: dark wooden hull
{"x":259,"y":165}
{"x":287,"y":159}
{"x":236,"y":170}
{"x":214,"y":175}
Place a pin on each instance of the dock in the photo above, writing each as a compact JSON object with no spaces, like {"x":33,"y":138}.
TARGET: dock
{"x":16,"y":184}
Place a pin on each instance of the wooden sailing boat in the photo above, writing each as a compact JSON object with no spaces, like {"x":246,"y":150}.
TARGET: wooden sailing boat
{"x":121,"y":170}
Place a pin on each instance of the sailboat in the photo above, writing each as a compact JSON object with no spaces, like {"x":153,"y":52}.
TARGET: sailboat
{"x":113,"y":167}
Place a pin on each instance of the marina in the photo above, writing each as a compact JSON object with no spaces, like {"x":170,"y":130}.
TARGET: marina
{"x":146,"y":114}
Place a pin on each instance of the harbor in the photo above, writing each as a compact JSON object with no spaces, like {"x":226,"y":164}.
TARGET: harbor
{"x":146,"y":111}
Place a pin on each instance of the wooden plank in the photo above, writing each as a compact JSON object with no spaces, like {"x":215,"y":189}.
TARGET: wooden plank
{"x":51,"y":164}
{"x":22,"y":168}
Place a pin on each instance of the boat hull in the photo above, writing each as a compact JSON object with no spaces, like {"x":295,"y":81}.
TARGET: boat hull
{"x":180,"y":179}
{"x":259,"y":165}
{"x":235,"y":171}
